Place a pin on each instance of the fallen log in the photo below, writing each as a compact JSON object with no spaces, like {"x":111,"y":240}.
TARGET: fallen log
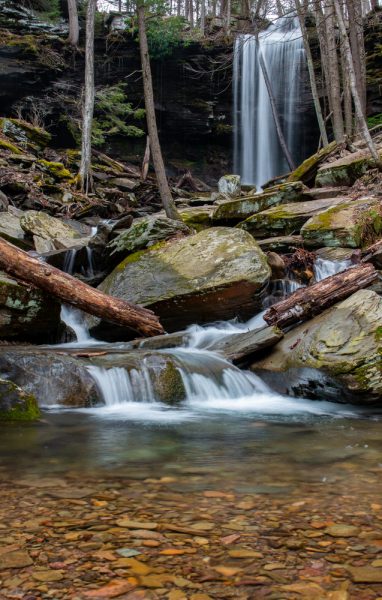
{"x":307,"y":302}
{"x":19,"y":264}
{"x":373,"y":254}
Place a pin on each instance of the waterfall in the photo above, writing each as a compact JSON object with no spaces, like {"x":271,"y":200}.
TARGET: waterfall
{"x":325,"y":268}
{"x":257,"y":153}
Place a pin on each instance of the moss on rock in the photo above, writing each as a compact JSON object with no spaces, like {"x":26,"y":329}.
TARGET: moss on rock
{"x":16,"y":404}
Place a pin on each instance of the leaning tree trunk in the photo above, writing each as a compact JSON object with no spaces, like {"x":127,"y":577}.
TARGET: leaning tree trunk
{"x":357,"y":45}
{"x":88,"y":107}
{"x":272,"y":101}
{"x":74,"y":30}
{"x":312,"y":75}
{"x":310,"y":301}
{"x":164,"y":190}
{"x":61,"y":285}
{"x":362,"y":125}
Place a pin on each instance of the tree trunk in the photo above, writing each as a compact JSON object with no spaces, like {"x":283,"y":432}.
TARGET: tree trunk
{"x":357,"y":45}
{"x":312,"y":76}
{"x":72,"y":291}
{"x":164,"y":190}
{"x":334,"y":77}
{"x":362,"y":125}
{"x":272,"y":101}
{"x":88,"y":107}
{"x":228,"y":17}
{"x":203,"y":16}
{"x":308,"y":302}
{"x":74,"y":30}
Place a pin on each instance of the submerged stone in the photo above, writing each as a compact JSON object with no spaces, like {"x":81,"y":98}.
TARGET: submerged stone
{"x":218,"y":273}
{"x":335,"y":356}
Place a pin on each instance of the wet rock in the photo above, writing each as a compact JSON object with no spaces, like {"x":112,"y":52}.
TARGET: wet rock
{"x":308,"y":169}
{"x":51,"y":378}
{"x":352,"y":224}
{"x":27,"y":313}
{"x":342,"y":531}
{"x":277,"y":265}
{"x":197,"y":217}
{"x":241,"y":347}
{"x":234,"y":211}
{"x":335,"y":356}
{"x":16,"y":559}
{"x":16,"y":404}
{"x":283,"y":243}
{"x":286,"y":219}
{"x":145,"y":232}
{"x":215,"y":274}
{"x":229,"y":185}
{"x":61,"y":234}
{"x":365,"y":574}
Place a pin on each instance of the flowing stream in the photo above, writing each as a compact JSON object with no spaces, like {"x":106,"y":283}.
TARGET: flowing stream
{"x":257,"y":153}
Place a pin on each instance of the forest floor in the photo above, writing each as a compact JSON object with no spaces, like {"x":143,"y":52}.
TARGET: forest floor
{"x":112,"y":537}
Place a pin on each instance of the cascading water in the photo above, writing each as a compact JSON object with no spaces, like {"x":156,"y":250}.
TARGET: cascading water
{"x":257,"y":153}
{"x":325,"y":268}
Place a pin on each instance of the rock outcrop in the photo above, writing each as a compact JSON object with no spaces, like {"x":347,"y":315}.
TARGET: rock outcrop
{"x":335,"y":356}
{"x":16,"y":404}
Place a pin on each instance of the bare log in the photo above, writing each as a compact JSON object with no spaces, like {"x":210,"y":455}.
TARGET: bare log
{"x":310,"y":301}
{"x":72,"y":291}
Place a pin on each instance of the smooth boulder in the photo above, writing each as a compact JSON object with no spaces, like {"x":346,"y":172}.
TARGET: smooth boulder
{"x":218,"y":273}
{"x":335,"y":356}
{"x":57,"y":232}
{"x":230,"y":185}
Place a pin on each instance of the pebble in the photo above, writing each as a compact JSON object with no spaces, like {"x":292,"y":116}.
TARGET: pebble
{"x":15,"y":560}
{"x":342,"y":531}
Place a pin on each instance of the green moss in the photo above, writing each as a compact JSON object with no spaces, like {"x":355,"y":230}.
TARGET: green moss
{"x":15,"y":404}
{"x":56,"y":169}
{"x":169,"y":385}
{"x":8,"y":146}
{"x":305,"y":170}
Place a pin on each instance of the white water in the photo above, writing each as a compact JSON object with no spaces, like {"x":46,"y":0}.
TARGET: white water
{"x":257,"y":153}
{"x":325,"y":268}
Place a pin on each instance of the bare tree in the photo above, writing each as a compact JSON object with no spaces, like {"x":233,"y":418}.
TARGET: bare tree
{"x":333,"y":82}
{"x":312,"y":75}
{"x":357,"y":45}
{"x":85,"y":179}
{"x":74,"y":30}
{"x":363,"y":129}
{"x":164,"y":190}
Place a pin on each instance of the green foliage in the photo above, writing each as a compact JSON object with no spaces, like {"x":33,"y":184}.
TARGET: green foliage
{"x":164,"y":35}
{"x":49,"y":10}
{"x":112,"y":110}
{"x":374,"y":120}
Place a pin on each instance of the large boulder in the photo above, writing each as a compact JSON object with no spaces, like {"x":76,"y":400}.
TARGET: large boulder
{"x":285,"y":219}
{"x":11,"y":230}
{"x":60,"y":234}
{"x":230,"y":185}
{"x":218,"y":273}
{"x":145,"y":232}
{"x":335,"y":356}
{"x":350,"y":225}
{"x":16,"y":404}
{"x":27,"y":313}
{"x":233,"y":211}
{"x":52,"y":378}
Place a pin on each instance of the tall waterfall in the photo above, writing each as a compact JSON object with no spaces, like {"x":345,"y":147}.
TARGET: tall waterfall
{"x":257,"y":153}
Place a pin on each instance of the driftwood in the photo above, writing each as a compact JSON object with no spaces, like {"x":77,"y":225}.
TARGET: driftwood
{"x":310,"y":301}
{"x":72,"y":291}
{"x":188,"y":181}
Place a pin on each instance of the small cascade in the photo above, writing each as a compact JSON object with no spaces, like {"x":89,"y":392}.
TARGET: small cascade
{"x":118,"y":386}
{"x":280,"y":289}
{"x":257,"y":153}
{"x":325,"y":268}
{"x":74,"y":319}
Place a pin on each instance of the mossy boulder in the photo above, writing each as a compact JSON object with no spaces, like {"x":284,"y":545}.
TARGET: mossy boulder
{"x":218,"y":273}
{"x":335,"y":356}
{"x":27,"y":313}
{"x":145,"y":232}
{"x":344,"y":171}
{"x":353,"y":224}
{"x":308,"y":169}
{"x":61,"y":234}
{"x":234,"y":211}
{"x":16,"y":404}
{"x":50,"y":377}
{"x":286,"y":219}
